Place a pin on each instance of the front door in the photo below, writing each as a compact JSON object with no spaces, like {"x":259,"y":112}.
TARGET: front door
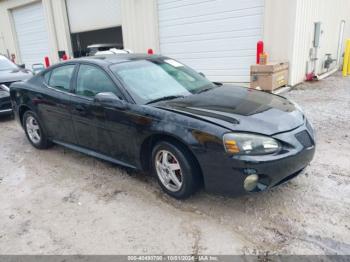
{"x":88,"y":116}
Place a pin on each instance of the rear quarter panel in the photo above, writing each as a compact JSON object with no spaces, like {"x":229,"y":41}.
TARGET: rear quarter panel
{"x":22,"y":95}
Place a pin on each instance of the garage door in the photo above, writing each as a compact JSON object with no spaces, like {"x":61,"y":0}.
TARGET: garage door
{"x":96,"y":15}
{"x":216,"y":37}
{"x":32,"y":34}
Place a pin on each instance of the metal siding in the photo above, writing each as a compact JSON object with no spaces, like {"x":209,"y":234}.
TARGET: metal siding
{"x":216,"y":37}
{"x":329,"y":13}
{"x":140,"y":25}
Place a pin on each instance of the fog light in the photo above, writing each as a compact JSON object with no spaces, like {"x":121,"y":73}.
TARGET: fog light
{"x":251,"y":182}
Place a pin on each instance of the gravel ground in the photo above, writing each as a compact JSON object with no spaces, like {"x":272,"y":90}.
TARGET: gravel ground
{"x":62,"y":202}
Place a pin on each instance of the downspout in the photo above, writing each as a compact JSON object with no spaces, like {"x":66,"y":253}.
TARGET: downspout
{"x":340,"y":48}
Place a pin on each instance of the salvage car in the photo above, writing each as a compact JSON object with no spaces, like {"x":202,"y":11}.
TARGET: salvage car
{"x":9,"y":73}
{"x":152,"y":113}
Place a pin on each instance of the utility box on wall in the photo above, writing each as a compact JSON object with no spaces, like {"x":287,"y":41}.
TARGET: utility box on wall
{"x":270,"y":76}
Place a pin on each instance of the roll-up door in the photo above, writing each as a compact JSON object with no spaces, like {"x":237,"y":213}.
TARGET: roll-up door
{"x":32,"y":35}
{"x":216,"y":37}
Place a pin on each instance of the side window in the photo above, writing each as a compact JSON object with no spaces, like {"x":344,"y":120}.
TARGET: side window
{"x":61,"y":77}
{"x":92,"y":80}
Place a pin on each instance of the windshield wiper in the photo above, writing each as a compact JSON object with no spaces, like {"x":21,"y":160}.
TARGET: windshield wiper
{"x":163,"y":99}
{"x":204,"y":90}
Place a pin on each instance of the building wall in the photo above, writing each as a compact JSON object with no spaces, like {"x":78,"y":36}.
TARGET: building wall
{"x":56,"y":22}
{"x":62,"y":26}
{"x":329,"y":13}
{"x":279,"y":28}
{"x":289,"y":31}
{"x":288,"y":28}
{"x":140,"y":25}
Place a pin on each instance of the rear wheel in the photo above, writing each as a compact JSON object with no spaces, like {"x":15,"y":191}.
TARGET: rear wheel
{"x":175,"y":170}
{"x":34,"y":131}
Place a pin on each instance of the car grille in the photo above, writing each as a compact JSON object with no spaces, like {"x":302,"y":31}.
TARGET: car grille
{"x":305,"y":139}
{"x":5,"y":102}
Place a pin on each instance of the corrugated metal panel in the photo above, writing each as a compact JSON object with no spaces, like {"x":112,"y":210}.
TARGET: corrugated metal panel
{"x":216,"y":37}
{"x":140,"y":25}
{"x":329,"y":13}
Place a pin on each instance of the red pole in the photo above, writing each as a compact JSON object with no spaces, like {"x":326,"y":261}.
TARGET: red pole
{"x":47,"y":61}
{"x":259,"y":51}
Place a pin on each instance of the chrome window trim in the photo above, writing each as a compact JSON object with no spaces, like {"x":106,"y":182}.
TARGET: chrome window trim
{"x":68,"y":92}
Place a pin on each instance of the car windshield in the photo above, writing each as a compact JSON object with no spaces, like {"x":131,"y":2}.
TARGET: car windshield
{"x":6,"y":64}
{"x":152,"y":80}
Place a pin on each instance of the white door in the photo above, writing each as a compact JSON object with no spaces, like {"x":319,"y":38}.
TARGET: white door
{"x":32,"y":35}
{"x":88,"y":15}
{"x":215,"y":37}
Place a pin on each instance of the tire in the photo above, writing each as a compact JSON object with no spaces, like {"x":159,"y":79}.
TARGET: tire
{"x":188,"y":177}
{"x":34,"y":131}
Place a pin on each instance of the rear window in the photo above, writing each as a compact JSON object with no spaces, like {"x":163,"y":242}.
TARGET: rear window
{"x":61,"y":77}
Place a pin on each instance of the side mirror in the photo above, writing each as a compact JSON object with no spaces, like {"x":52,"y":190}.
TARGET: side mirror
{"x":110,"y":99}
{"x":23,"y":66}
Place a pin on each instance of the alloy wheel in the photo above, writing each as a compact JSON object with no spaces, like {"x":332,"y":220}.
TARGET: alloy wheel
{"x":33,"y":129}
{"x":169,"y":170}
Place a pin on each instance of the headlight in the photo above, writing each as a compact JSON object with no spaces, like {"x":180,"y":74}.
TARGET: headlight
{"x":248,"y":144}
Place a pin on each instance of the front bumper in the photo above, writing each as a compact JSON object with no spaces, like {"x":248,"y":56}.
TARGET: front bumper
{"x":225,"y":174}
{"x":5,"y":103}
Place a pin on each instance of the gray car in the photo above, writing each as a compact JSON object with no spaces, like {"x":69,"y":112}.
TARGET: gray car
{"x":9,"y":73}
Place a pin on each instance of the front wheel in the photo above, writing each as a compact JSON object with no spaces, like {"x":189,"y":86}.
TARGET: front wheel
{"x":34,"y":131}
{"x":175,"y":170}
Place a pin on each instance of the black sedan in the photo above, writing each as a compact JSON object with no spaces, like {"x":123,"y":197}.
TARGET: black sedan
{"x":155,"y":114}
{"x":9,"y":73}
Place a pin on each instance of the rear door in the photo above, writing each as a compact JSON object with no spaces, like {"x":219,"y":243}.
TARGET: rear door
{"x":55,"y":103}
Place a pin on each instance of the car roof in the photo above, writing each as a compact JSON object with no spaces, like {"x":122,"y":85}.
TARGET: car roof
{"x":110,"y":59}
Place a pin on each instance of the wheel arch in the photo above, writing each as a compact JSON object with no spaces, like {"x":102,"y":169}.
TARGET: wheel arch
{"x":149,"y":143}
{"x":21,"y":110}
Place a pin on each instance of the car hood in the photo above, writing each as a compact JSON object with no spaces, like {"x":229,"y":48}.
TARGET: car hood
{"x":239,"y":109}
{"x":7,"y":76}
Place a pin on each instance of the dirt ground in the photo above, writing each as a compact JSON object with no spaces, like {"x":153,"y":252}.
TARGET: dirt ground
{"x":62,"y":202}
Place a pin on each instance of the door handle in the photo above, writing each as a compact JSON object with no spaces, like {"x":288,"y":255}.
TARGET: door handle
{"x":81,"y":109}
